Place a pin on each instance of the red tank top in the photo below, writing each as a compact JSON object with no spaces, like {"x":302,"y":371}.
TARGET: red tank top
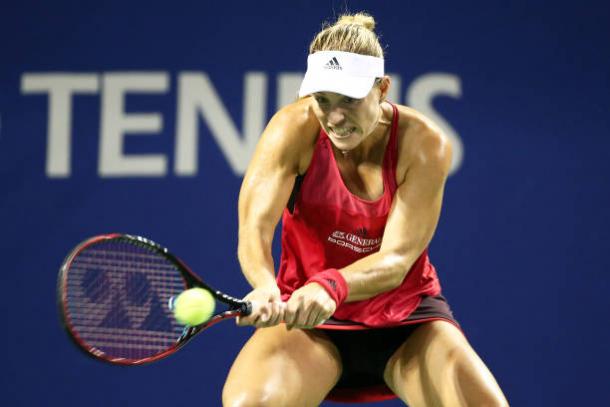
{"x":330,"y":227}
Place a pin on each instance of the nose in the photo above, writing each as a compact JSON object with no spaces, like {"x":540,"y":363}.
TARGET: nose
{"x":336,"y":117}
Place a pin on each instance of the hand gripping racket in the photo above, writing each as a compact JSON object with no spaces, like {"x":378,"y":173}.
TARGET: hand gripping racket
{"x":114,"y":295}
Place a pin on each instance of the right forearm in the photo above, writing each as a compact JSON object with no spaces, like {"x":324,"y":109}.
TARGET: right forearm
{"x":255,"y":258}
{"x":264,"y":193}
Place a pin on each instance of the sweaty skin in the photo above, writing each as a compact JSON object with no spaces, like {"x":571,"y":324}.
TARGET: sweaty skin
{"x":298,"y":367}
{"x":359,"y":131}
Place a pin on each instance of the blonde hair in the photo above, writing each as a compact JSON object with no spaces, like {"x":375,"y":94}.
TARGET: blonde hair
{"x":351,"y":33}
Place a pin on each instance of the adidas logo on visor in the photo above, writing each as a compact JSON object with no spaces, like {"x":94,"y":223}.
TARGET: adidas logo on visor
{"x":333,"y":64}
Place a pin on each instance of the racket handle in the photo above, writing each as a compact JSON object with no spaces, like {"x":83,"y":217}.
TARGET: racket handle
{"x":246,"y":308}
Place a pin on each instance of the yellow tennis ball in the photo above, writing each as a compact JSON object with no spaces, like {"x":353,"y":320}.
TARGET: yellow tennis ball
{"x":194,"y":306}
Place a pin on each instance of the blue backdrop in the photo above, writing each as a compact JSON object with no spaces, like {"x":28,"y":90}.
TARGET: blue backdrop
{"x":141,"y":117}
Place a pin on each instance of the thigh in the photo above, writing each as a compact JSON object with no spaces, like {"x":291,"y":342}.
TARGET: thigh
{"x":437,"y":366}
{"x":277,"y":367}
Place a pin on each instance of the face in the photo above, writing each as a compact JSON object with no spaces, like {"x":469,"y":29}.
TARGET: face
{"x":347,"y":121}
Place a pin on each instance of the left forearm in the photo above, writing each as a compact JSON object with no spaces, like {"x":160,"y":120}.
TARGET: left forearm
{"x":376,"y":273}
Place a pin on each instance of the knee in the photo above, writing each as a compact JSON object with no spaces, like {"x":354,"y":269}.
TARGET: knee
{"x":251,"y":398}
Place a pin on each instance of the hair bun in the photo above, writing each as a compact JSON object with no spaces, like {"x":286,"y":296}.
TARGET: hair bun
{"x":350,"y":33}
{"x":363,"y":19}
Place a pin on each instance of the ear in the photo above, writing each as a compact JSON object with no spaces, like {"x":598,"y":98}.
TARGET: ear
{"x":384,"y":87}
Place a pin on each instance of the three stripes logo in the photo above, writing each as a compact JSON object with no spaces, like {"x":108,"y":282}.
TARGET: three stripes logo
{"x":333,"y":64}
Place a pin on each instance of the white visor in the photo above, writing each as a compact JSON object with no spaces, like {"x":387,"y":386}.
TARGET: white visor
{"x":341,"y":72}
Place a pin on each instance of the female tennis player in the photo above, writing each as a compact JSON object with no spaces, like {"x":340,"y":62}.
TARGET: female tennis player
{"x":355,"y":312}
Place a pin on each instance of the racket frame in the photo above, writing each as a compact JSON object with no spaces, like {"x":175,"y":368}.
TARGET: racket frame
{"x":237,"y":307}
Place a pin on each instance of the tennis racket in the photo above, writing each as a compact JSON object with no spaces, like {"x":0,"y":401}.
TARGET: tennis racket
{"x":115,"y":293}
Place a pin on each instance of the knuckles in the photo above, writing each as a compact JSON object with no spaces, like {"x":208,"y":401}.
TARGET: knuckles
{"x":308,"y":307}
{"x":264,"y":314}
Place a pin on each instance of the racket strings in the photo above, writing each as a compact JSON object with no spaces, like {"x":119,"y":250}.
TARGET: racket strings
{"x":117,"y":299}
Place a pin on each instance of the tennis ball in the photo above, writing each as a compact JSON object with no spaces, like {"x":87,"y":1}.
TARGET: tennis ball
{"x":194,"y":306}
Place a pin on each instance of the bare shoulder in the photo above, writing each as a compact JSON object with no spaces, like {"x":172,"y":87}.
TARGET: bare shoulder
{"x":420,"y":143}
{"x":292,"y":132}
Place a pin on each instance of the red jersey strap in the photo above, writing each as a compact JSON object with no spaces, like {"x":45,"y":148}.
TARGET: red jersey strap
{"x":391,"y":156}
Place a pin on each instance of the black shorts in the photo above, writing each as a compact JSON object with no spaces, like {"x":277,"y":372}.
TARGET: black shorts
{"x":365,"y":352}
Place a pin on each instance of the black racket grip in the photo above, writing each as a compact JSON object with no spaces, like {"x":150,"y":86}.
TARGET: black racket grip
{"x":246,"y":308}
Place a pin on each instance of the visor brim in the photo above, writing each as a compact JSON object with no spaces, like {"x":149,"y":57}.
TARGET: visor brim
{"x":356,"y":87}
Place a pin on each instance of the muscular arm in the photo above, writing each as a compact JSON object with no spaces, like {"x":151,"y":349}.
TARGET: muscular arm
{"x":413,"y":217}
{"x":280,"y":155}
